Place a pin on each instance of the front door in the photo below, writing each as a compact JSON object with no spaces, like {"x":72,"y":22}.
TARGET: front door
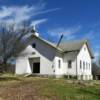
{"x":36,"y":67}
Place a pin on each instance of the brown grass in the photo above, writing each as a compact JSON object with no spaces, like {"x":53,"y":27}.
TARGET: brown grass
{"x":30,"y":88}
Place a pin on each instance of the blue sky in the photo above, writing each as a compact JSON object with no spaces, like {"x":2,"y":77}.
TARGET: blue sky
{"x":76,"y":19}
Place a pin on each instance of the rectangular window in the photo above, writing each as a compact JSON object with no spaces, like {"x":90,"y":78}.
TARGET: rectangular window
{"x":83,"y":65}
{"x":84,"y":48}
{"x":89,"y":66}
{"x":80,"y":64}
{"x":86,"y":65}
{"x":59,"y":63}
{"x":69,"y":64}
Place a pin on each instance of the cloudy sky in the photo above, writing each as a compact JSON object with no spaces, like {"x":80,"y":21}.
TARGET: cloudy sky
{"x":76,"y":19}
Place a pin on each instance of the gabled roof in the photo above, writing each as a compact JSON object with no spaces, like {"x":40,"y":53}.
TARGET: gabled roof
{"x":75,"y":45}
{"x":69,"y":47}
{"x":72,"y":45}
{"x":49,"y":43}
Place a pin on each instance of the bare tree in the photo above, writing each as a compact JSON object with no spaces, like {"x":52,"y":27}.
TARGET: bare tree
{"x":12,"y":40}
{"x":99,"y":60}
{"x":96,"y":67}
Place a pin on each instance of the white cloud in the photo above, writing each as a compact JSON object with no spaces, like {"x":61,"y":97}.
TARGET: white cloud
{"x":4,"y":12}
{"x":46,"y":11}
{"x":16,"y":14}
{"x":69,"y":33}
{"x":19,"y":14}
{"x":38,"y":22}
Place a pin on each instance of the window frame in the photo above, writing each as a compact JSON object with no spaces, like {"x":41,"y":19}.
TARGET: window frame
{"x":89,"y":66}
{"x":84,"y":48}
{"x":59,"y":63}
{"x":86,"y":65}
{"x":83,"y":65}
{"x":69,"y":64}
{"x":80,"y":64}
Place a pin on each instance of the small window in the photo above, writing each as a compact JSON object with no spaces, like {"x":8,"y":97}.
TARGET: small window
{"x":59,"y":63}
{"x":54,"y":70}
{"x":52,"y":66}
{"x":85,"y":48}
{"x":84,"y":65}
{"x":69,"y":64}
{"x":34,"y":45}
{"x":80,"y":64}
{"x":89,"y":66}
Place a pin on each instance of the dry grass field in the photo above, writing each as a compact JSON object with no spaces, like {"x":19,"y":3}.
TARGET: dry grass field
{"x":35,"y":88}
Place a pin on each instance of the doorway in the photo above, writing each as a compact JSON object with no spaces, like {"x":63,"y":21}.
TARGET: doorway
{"x":36,"y":67}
